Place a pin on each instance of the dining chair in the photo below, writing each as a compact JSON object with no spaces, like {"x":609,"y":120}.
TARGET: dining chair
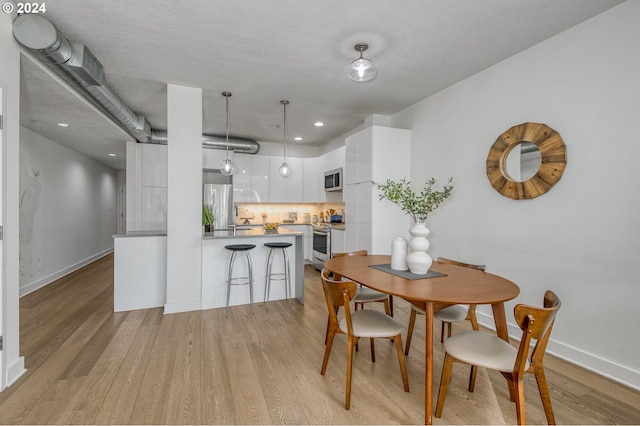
{"x":364,"y":295}
{"x":450,"y":314}
{"x":368,"y":323}
{"x":489,"y":351}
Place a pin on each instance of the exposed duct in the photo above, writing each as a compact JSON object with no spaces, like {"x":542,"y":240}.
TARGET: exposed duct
{"x":75,"y":63}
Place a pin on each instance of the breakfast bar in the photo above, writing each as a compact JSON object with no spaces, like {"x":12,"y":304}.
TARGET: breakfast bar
{"x":140,"y":265}
{"x":215,"y":259}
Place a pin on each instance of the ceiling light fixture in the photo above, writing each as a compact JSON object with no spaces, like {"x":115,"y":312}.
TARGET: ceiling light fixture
{"x":297,"y":138}
{"x":63,"y":124}
{"x":285,"y":170}
{"x":227,"y":165}
{"x":318,"y":124}
{"x":111,"y":155}
{"x":362,"y":69}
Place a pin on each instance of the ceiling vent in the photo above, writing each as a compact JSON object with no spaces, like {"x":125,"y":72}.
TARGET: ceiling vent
{"x":75,"y":63}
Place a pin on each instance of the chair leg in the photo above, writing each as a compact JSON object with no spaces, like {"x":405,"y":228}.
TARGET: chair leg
{"x":544,"y":395}
{"x":390,"y":306}
{"x":472,"y":377}
{"x":442,"y":331}
{"x":351,"y":344}
{"x":449,"y":325}
{"x":327,"y":350}
{"x":403,"y":364}
{"x":520,"y":408}
{"x":444,"y":383}
{"x":387,"y":307}
{"x":412,"y":322}
{"x":373,"y":349}
{"x":326,"y":333}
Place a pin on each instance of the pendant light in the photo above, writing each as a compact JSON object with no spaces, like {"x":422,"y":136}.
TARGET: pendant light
{"x":285,"y":170}
{"x":362,"y":69}
{"x":227,"y":166}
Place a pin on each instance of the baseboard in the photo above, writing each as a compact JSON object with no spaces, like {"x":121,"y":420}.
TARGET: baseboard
{"x":15,"y":370}
{"x":30,"y":288}
{"x":594,"y":363}
{"x":186,"y":306}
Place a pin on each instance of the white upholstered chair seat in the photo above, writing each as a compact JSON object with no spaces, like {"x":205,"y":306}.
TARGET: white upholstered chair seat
{"x":482,"y":349}
{"x":365,"y":294}
{"x":453,"y":313}
{"x":372,"y":323}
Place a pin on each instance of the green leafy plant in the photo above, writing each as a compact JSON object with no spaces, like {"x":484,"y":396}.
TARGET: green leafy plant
{"x":207,"y":215}
{"x":418,"y":206}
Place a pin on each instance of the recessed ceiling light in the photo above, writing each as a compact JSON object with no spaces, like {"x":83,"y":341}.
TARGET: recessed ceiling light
{"x":112,"y":155}
{"x":318,"y":124}
{"x":63,"y":124}
{"x":297,"y":138}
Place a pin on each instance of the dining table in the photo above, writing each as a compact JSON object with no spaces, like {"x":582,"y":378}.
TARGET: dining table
{"x":453,"y":285}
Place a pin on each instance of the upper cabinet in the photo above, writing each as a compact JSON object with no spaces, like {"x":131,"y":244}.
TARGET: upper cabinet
{"x":251,"y":178}
{"x":310,"y":180}
{"x":287,"y":190}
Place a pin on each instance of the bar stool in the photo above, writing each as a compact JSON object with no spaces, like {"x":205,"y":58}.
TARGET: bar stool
{"x":235,"y":248}
{"x":285,"y":275}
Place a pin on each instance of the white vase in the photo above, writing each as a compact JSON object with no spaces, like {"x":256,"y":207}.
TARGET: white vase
{"x":399,"y":249}
{"x":418,"y":260}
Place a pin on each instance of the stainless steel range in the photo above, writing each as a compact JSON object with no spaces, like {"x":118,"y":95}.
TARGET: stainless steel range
{"x":321,"y":245}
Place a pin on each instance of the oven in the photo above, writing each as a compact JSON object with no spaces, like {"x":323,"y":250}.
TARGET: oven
{"x":321,"y":246}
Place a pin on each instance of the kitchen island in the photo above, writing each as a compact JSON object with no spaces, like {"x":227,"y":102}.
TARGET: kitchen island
{"x":215,"y":261}
{"x":140,"y":268}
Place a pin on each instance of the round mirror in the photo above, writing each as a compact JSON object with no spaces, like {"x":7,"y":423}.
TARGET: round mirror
{"x":523,"y":161}
{"x":526,"y":161}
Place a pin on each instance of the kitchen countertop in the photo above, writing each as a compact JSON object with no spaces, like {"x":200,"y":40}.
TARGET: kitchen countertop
{"x":141,"y":234}
{"x":253,"y":232}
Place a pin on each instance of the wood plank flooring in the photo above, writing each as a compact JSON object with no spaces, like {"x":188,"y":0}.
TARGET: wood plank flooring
{"x":88,"y":365}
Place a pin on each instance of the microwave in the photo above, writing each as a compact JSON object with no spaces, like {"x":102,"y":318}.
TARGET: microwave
{"x":333,"y":180}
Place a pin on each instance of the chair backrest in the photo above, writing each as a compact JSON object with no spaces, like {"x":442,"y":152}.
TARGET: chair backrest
{"x":348,"y":253}
{"x":457,"y":263}
{"x":337,"y":293}
{"x":536,"y":324}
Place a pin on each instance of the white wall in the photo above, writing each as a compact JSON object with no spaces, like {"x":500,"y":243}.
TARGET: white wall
{"x":582,"y":238}
{"x":67,"y":210}
{"x":12,"y":362}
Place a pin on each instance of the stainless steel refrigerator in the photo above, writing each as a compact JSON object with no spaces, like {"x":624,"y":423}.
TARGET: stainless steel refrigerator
{"x":219,"y":196}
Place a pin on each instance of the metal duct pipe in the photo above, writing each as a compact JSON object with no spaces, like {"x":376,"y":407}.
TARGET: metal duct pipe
{"x":75,"y":63}
{"x":247,"y":146}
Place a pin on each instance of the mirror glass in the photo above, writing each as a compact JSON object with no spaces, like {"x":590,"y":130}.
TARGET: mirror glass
{"x":523,"y":161}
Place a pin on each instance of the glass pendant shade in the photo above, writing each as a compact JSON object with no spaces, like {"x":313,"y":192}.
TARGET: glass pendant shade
{"x":227,"y":167}
{"x":362,"y":69}
{"x":285,"y":170}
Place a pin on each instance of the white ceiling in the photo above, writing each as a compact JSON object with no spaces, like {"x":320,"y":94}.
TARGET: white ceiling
{"x":267,"y":50}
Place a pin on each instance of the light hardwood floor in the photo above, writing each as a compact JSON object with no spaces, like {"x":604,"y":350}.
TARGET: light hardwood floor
{"x":88,"y":365}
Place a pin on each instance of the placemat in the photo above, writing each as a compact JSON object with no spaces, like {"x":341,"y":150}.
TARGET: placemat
{"x":386,"y":267}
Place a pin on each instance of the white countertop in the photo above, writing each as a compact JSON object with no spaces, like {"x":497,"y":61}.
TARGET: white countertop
{"x":141,"y":234}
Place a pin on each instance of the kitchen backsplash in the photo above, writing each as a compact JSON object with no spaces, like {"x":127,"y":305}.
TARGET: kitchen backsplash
{"x":275,"y":212}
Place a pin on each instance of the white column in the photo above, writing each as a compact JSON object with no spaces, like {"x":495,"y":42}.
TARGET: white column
{"x":184,"y":199}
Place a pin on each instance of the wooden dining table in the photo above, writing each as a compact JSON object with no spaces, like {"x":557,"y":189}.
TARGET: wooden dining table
{"x":459,"y":285}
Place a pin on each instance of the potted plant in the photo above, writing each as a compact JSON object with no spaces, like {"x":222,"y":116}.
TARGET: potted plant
{"x":418,"y":206}
{"x":208,"y":218}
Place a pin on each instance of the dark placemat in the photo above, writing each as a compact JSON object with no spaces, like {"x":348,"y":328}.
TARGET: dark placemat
{"x":386,"y":267}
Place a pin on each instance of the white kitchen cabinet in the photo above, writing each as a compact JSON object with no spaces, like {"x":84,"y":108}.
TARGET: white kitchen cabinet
{"x":310,"y":180}
{"x":373,"y":223}
{"x":242,"y":177}
{"x":338,"y":241}
{"x":285,"y":190}
{"x":212,"y":158}
{"x":260,"y":178}
{"x":154,"y":165}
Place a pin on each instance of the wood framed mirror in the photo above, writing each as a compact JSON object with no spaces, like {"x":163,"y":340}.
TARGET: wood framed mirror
{"x":510,"y":159}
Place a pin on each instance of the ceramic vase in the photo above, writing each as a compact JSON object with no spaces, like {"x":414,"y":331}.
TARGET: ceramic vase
{"x":418,"y":260}
{"x":399,"y":249}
